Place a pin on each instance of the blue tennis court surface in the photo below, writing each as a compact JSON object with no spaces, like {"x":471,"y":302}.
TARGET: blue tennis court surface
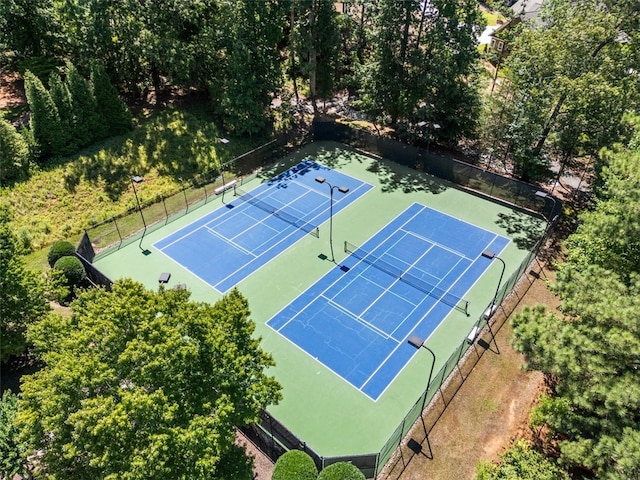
{"x":227,"y":245}
{"x":404,"y":281}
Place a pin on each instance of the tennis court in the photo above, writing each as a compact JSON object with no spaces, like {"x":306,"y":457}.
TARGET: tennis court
{"x":404,"y":281}
{"x":230,"y":243}
{"x":342,"y":329}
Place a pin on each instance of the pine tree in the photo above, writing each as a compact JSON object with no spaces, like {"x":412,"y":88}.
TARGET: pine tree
{"x":115,"y":113}
{"x":14,"y":152}
{"x":62,"y":98}
{"x":89,"y":126}
{"x":45,"y":120}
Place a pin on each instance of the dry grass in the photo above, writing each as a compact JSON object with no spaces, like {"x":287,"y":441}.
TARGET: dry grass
{"x":485,"y":406}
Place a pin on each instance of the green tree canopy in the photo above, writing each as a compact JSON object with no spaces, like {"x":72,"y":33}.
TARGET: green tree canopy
{"x":21,"y":293}
{"x":141,"y":384}
{"x":569,"y":97}
{"x":609,"y":235}
{"x":45,"y":121}
{"x":114,"y":112}
{"x":14,"y":153}
{"x":591,"y":351}
{"x":12,"y":450}
{"x":422,"y":65}
{"x":521,"y":462}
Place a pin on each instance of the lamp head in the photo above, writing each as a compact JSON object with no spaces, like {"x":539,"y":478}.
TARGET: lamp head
{"x":488,"y":254}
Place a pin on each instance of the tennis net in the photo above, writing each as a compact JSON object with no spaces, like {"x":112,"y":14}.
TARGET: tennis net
{"x":276,"y":212}
{"x":375,"y":261}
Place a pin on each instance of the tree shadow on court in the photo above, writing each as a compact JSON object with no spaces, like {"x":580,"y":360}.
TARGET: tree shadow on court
{"x":523,"y":229}
{"x":395,"y":177}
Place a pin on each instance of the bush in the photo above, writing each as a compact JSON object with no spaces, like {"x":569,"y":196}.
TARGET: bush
{"x":341,"y":471}
{"x":294,"y":465}
{"x":73,"y":270}
{"x":58,"y":250}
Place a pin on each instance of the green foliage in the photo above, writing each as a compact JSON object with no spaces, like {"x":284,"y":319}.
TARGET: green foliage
{"x":12,"y":449}
{"x":45,"y":121}
{"x":422,"y":67}
{"x":592,"y":350}
{"x":22,"y":301}
{"x":27,"y":28}
{"x":73,"y":270}
{"x":88,"y":123}
{"x":569,"y":98}
{"x":294,"y":465}
{"x":251,"y":68}
{"x":14,"y":153}
{"x":314,"y":45}
{"x":64,"y":103}
{"x":59,"y":249}
{"x":341,"y":471}
{"x":521,"y":462}
{"x":62,"y":200}
{"x":609,"y":234}
{"x":114,"y":112}
{"x":143,"y":384}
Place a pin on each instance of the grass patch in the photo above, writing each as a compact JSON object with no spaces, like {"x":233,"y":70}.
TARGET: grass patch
{"x":65,"y":196}
{"x":492,"y":18}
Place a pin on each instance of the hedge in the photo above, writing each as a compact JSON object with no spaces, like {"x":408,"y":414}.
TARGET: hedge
{"x":294,"y":465}
{"x":58,"y":250}
{"x":72,"y":268}
{"x":341,"y":471}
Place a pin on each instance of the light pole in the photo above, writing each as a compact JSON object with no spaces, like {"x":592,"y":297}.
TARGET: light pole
{"x":137,"y":179}
{"x":417,"y":342}
{"x":432,"y":126}
{"x":546,"y":196}
{"x":491,"y":255}
{"x":341,"y":189}
{"x":223,"y":141}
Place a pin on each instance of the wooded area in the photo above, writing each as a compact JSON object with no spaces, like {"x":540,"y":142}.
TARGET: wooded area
{"x":565,"y":97}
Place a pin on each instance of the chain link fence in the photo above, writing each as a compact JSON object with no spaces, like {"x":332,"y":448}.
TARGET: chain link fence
{"x":269,"y":434}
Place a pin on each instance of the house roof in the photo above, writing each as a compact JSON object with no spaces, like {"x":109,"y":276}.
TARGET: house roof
{"x":527,"y":9}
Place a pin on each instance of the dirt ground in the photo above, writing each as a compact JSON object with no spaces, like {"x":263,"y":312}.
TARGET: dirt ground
{"x":11,"y":90}
{"x":490,"y":408}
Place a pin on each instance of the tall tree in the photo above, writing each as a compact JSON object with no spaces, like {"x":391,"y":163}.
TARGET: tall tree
{"x":22,"y":301}
{"x":88,"y":125}
{"x":12,"y":449}
{"x":252,"y":66}
{"x":62,"y":98}
{"x":383,"y":89}
{"x":580,"y":86}
{"x":609,"y":235}
{"x":45,"y":121}
{"x":145,"y":384}
{"x":314,"y":45}
{"x":591,"y":352}
{"x":423,"y":65}
{"x":14,"y":153}
{"x":29,"y":28}
{"x":114,"y":112}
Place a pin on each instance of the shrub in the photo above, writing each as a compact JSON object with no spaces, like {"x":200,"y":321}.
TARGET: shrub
{"x":58,"y":250}
{"x":72,"y":268}
{"x":341,"y":471}
{"x":294,"y":465}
